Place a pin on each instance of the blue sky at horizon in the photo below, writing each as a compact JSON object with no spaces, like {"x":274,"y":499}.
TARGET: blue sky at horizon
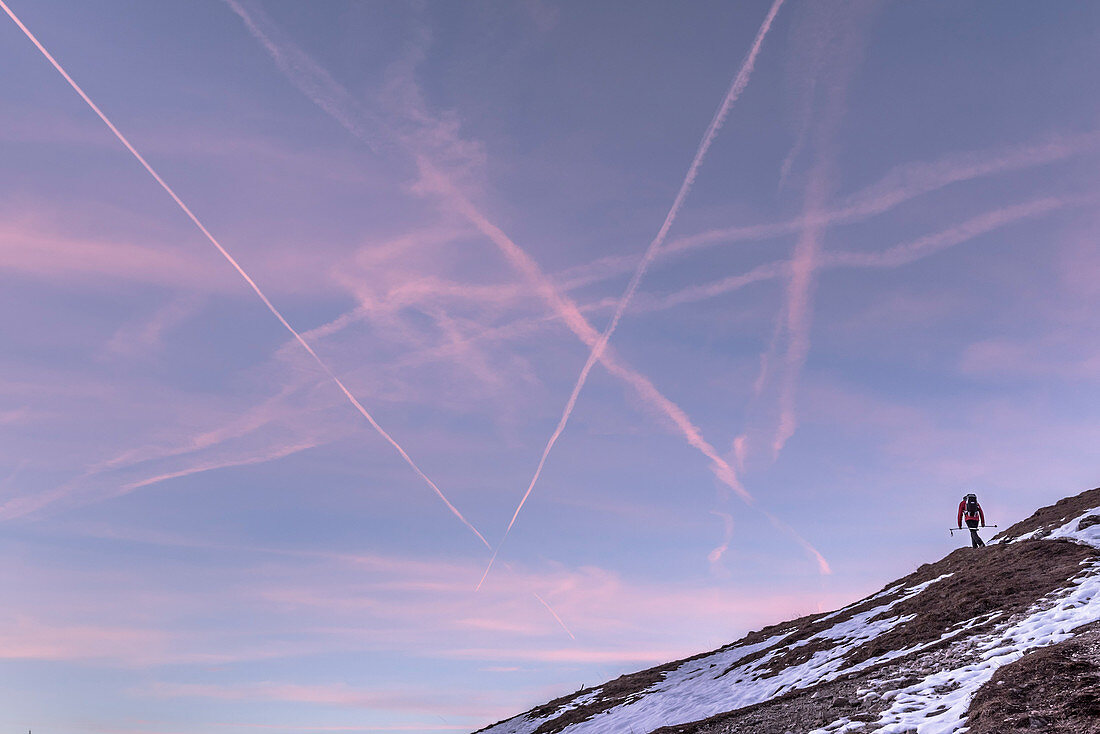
{"x":879,"y":294}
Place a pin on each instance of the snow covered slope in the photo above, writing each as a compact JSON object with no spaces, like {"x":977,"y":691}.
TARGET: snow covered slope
{"x":912,"y":658}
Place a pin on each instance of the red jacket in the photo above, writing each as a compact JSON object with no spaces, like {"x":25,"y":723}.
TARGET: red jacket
{"x":964,"y":516}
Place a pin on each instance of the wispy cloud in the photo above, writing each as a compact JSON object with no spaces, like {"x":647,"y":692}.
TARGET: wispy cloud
{"x":340,"y":600}
{"x":715,"y":556}
{"x":423,"y":702}
{"x":27,"y":638}
{"x":141,"y":337}
{"x":31,"y":246}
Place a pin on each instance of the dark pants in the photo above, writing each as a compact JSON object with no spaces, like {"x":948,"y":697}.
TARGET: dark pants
{"x":975,"y":541}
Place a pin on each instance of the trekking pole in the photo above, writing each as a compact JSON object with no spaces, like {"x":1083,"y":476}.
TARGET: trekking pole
{"x":959,"y":530}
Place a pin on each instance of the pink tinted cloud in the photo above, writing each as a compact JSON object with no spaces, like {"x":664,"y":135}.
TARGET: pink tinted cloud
{"x":1066,"y":356}
{"x":426,"y":702}
{"x":28,"y":638}
{"x":715,"y":556}
{"x":900,"y":185}
{"x":340,"y":602}
{"x":30,"y":247}
{"x":313,"y":80}
{"x":615,"y":656}
{"x":14,"y":416}
{"x":143,"y":336}
{"x":251,"y":435}
{"x":891,"y":257}
{"x":798,"y":312}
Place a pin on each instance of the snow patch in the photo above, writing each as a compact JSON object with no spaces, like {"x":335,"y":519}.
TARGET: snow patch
{"x":842,"y":724}
{"x":1069,"y":531}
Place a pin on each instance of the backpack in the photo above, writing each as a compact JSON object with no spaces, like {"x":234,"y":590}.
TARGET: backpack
{"x":972,"y":504}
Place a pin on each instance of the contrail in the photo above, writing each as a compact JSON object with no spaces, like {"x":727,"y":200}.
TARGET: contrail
{"x":236,"y":266}
{"x":316,"y":84}
{"x":891,"y":257}
{"x":909,"y":252}
{"x":727,"y":535}
{"x":904,"y":183}
{"x":555,"y":614}
{"x":740,"y":81}
{"x":798,"y":309}
{"x":841,"y":37}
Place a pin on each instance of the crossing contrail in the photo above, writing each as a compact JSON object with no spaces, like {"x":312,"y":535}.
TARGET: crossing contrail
{"x":317,"y":84}
{"x":236,"y":266}
{"x":740,"y":81}
{"x":579,"y":325}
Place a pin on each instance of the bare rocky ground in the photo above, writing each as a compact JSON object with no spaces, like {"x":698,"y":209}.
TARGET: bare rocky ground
{"x":1055,"y":689}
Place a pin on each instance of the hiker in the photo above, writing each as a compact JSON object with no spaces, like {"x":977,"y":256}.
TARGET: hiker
{"x":971,"y":511}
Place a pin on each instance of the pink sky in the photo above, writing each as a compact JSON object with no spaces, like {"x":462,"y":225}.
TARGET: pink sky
{"x":714,"y":309}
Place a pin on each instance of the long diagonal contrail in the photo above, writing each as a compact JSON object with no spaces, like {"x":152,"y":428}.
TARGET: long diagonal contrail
{"x":740,"y":81}
{"x":297,"y":336}
{"x":236,"y":266}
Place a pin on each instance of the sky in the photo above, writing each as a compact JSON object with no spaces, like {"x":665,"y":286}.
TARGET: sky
{"x":764,"y":286}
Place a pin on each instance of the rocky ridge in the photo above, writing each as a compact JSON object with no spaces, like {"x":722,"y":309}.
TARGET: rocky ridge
{"x":1002,"y":640}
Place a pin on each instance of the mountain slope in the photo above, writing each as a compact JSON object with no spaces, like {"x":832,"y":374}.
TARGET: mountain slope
{"x":999,"y":639}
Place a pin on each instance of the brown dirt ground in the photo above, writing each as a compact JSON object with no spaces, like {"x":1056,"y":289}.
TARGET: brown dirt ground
{"x":1054,"y":689}
{"x":1005,"y":578}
